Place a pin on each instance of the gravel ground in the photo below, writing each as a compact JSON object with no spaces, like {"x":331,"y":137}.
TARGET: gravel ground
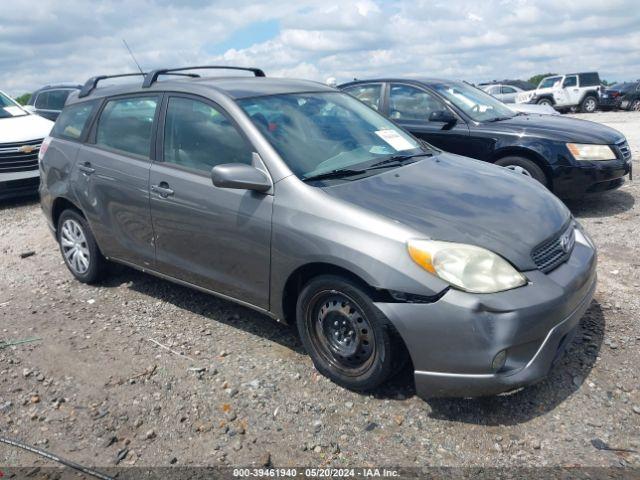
{"x":97,"y":390}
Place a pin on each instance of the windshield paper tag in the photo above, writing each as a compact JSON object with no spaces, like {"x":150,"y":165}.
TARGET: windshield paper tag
{"x":396,"y":140}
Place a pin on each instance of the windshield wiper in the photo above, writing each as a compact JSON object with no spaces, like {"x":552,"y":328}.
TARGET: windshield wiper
{"x":337,"y":173}
{"x":398,"y":159}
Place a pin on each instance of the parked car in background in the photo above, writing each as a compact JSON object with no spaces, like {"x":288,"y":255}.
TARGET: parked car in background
{"x":504,"y":93}
{"x":611,"y":96}
{"x":569,"y":156}
{"x":299,"y":201}
{"x":630,"y":99}
{"x":564,"y":92}
{"x":48,"y":101}
{"x":21,"y":134}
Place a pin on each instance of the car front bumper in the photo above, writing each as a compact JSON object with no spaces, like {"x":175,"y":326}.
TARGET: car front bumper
{"x":16,"y":184}
{"x":454,"y":341}
{"x":592,"y":177}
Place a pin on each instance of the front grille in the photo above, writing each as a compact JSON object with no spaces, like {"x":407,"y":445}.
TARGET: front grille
{"x":19,"y":156}
{"x":554,"y":251}
{"x":623,"y":148}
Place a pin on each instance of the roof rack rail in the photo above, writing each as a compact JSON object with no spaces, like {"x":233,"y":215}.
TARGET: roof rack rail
{"x":152,"y":77}
{"x":91,"y":84}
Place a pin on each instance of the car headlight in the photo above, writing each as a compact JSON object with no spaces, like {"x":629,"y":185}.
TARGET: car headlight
{"x":466,"y":267}
{"x":587,"y":151}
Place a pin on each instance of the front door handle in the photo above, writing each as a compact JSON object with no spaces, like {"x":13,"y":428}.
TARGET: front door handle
{"x":162,"y":189}
{"x":86,"y":168}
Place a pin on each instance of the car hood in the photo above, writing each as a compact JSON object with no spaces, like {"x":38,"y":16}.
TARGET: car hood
{"x":557,"y":127}
{"x":24,"y":128}
{"x":457,"y":199}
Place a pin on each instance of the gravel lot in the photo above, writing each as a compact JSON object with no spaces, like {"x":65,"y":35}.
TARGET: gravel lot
{"x":95,"y":388}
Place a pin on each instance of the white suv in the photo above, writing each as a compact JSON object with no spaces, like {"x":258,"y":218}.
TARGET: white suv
{"x":563,"y":92}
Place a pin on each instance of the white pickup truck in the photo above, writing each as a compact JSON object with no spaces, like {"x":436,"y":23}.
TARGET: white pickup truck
{"x":563,"y":92}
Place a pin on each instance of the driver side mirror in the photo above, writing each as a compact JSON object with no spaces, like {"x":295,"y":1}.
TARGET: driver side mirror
{"x":240,"y":176}
{"x":443,"y":116}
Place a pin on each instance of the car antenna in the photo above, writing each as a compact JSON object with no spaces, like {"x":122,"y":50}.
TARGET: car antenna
{"x":132,"y":56}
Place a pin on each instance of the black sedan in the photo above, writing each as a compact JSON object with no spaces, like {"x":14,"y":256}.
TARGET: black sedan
{"x":614,"y":95}
{"x":571,"y":157}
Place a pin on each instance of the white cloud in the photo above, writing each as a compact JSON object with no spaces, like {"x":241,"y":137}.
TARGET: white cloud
{"x":50,"y":41}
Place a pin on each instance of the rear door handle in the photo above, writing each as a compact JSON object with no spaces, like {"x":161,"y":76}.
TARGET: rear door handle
{"x":162,"y":189}
{"x":86,"y":168}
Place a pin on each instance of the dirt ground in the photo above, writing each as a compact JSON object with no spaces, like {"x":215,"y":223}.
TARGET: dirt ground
{"x":96,"y":389}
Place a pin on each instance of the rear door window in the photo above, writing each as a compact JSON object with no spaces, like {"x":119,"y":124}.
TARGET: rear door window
{"x":126,"y":125}
{"x":507,"y":89}
{"x":73,"y":120}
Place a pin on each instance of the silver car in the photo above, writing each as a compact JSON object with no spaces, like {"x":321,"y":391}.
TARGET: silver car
{"x":301,"y":202}
{"x":503,"y":92}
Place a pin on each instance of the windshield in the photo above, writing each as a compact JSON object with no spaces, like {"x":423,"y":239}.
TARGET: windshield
{"x":9,"y":108}
{"x":315,"y":133}
{"x":477,"y":104}
{"x":549,"y":82}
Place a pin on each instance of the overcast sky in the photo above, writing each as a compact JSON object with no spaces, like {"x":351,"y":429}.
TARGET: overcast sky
{"x":47,"y":41}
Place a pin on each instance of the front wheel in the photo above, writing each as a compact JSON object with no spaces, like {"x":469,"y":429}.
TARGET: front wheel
{"x":525,"y":167}
{"x":349,"y":340}
{"x":589,"y":104}
{"x":545,"y":101}
{"x":635,"y":106}
{"x":79,"y":248}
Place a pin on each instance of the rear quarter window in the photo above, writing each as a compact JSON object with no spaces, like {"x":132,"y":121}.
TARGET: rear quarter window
{"x":73,"y":120}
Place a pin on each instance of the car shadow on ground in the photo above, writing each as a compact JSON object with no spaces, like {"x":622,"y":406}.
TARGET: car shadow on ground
{"x":599,"y":205}
{"x":565,"y":378}
{"x":18,"y":202}
{"x":213,"y":308}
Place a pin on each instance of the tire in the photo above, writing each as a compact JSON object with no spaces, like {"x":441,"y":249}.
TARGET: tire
{"x":79,"y":248}
{"x":349,"y":340}
{"x":589,"y":104}
{"x":635,"y":105}
{"x":545,"y":101}
{"x":524,"y":166}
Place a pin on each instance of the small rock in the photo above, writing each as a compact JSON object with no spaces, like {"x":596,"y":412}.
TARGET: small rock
{"x":636,"y":409}
{"x":237,"y":446}
{"x":35,"y":399}
{"x":233,"y":392}
{"x":40,"y":377}
{"x":26,"y":372}
{"x":27,"y":254}
{"x":349,"y":405}
{"x":138,"y":423}
{"x":317,"y":449}
{"x":317,"y":426}
{"x":121,"y":455}
{"x":173,"y":460}
{"x":370,"y":426}
{"x":150,"y":435}
{"x":265,"y":459}
{"x":110,"y":441}
{"x":536,"y":445}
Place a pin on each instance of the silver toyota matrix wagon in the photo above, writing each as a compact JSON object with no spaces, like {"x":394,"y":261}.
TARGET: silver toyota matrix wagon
{"x":297,"y":200}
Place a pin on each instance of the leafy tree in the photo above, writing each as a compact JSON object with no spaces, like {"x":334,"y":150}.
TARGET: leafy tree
{"x":536,"y":78}
{"x":23,"y":99}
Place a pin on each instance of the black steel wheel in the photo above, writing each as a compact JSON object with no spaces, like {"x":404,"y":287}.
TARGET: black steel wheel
{"x":348,"y":338}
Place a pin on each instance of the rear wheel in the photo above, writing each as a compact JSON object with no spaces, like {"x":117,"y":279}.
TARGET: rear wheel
{"x":347,"y":337}
{"x":589,"y":104}
{"x":79,"y":248}
{"x":545,"y":101}
{"x":635,"y":106}
{"x":525,"y":167}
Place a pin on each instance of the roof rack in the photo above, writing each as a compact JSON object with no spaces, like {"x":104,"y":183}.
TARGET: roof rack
{"x":152,"y":77}
{"x":91,"y":84}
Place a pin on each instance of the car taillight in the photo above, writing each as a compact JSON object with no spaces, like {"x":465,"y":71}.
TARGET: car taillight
{"x":43,"y":148}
